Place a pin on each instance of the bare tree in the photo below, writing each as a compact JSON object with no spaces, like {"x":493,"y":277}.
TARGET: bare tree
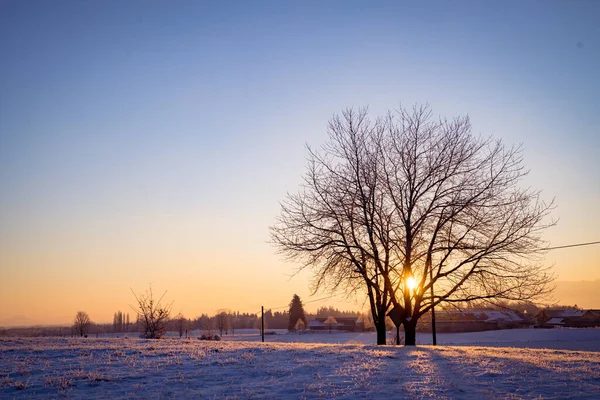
{"x":206,"y":324}
{"x":406,"y":204}
{"x":234,"y":320}
{"x":181,"y":324}
{"x":82,"y":323}
{"x":152,"y":315}
{"x":223,"y":321}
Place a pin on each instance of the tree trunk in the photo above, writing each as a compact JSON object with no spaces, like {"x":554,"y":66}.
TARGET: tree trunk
{"x":381,"y":332}
{"x":410,"y":333}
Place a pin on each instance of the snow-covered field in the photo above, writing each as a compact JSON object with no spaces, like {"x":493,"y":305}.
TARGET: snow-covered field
{"x":136,"y":368}
{"x":565,"y":339}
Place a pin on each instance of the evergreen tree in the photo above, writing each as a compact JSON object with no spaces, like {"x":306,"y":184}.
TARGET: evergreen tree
{"x":296,"y":313}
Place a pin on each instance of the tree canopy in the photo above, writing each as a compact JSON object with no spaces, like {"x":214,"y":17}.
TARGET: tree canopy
{"x":414,"y":211}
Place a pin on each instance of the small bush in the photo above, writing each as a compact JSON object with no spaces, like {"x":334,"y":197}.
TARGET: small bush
{"x":210,"y":337}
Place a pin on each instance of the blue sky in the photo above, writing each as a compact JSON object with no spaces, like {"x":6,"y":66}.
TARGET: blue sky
{"x":133,"y":131}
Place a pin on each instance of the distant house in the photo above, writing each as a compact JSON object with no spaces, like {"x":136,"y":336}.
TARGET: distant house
{"x":589,"y":319}
{"x":558,"y":317}
{"x":341,"y":324}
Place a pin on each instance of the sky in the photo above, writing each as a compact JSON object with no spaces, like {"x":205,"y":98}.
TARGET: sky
{"x":151,"y":142}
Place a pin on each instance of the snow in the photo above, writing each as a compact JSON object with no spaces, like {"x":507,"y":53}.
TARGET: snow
{"x":557,"y":338}
{"x":502,"y":364}
{"x":564,"y":313}
{"x":572,"y":313}
{"x":508,"y":316}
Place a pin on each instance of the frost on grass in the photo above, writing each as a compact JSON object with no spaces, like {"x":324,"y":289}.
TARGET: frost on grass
{"x":101,"y":368}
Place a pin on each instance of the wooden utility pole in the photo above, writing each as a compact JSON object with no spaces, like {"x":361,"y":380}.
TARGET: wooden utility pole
{"x":262,"y":323}
{"x":433,"y":334}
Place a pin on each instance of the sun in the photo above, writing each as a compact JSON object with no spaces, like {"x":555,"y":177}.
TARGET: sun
{"x":411,"y":283}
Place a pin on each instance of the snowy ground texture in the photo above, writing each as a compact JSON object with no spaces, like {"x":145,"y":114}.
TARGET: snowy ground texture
{"x":136,"y":368}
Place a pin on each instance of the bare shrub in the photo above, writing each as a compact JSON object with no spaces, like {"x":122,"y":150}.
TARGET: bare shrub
{"x":153,"y":316}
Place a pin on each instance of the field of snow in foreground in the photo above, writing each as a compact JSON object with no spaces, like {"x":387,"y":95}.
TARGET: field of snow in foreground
{"x":137,"y":368}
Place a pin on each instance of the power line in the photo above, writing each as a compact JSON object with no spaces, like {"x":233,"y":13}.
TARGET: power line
{"x":304,"y":302}
{"x":324,"y":298}
{"x":572,"y":245}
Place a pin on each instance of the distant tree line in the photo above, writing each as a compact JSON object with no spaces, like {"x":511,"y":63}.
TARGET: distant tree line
{"x":227,"y":322}
{"x":325,"y":312}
